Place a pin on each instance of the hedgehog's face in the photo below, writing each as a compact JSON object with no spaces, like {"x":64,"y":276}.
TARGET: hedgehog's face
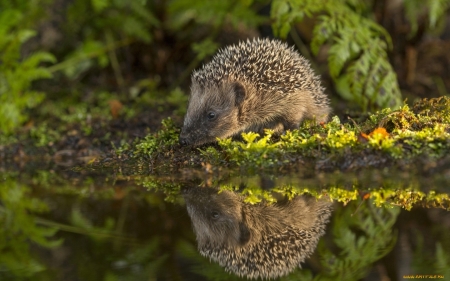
{"x":213,"y":112}
{"x":217,"y":217}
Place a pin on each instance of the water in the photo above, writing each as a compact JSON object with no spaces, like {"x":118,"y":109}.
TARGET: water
{"x":124,"y":223}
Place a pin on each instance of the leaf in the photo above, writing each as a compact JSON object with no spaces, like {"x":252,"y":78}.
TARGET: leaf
{"x":134,"y":27}
{"x":250,"y":137}
{"x":8,"y":19}
{"x":437,"y":10}
{"x":115,"y":107}
{"x":99,"y":5}
{"x":144,"y":13}
{"x":81,"y":59}
{"x":380,"y":131}
{"x":204,"y":48}
{"x":25,"y":34}
{"x":35,"y":59}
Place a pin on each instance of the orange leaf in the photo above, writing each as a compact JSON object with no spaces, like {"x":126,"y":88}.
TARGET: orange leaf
{"x":366,"y":196}
{"x":381,"y":131}
{"x":115,"y":106}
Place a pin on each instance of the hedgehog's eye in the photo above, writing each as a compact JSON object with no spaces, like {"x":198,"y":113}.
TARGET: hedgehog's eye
{"x":211,"y":115}
{"x":215,"y":214}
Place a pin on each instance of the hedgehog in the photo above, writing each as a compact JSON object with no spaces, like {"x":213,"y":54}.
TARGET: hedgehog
{"x":255,"y":241}
{"x":255,"y":85}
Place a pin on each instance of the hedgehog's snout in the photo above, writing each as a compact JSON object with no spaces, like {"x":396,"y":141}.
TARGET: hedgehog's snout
{"x":183,"y":138}
{"x":191,"y":136}
{"x":183,"y":141}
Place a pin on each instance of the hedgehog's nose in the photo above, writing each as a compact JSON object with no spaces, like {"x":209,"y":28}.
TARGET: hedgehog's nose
{"x":183,"y":141}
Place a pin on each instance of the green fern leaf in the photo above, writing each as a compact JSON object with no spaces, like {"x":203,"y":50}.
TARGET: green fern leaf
{"x":437,"y":10}
{"x":357,"y":59}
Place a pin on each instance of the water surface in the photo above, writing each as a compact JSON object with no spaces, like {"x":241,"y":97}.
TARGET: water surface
{"x":124,"y":223}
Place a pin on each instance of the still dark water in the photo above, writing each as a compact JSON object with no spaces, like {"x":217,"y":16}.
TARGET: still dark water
{"x":64,"y":224}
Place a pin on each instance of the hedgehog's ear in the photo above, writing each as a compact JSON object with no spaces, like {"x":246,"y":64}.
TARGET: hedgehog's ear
{"x":244,"y":234}
{"x":239,"y":93}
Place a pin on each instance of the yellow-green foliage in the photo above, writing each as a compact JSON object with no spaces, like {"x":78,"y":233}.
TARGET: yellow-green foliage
{"x":403,"y":133}
{"x":388,"y":196}
{"x":407,"y":198}
{"x":253,"y":192}
{"x":338,"y":136}
{"x":253,"y":195}
{"x":252,"y":151}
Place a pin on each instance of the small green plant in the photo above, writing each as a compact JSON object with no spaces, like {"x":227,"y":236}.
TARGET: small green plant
{"x":338,"y":136}
{"x":212,"y":155}
{"x":17,"y":73}
{"x":43,"y":135}
{"x":162,"y":140}
{"x":253,"y":151}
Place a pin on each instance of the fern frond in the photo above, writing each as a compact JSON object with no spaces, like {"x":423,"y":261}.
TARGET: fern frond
{"x":434,"y":10}
{"x":358,"y":61}
{"x":363,"y":238}
{"x":437,"y":10}
{"x":35,"y":59}
{"x":8,"y":18}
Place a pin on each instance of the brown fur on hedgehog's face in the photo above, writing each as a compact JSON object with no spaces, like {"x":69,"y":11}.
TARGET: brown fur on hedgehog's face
{"x":217,"y":217}
{"x":213,"y":112}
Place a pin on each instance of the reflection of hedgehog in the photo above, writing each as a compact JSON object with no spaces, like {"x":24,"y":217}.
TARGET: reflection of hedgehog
{"x":265,"y":241}
{"x":254,"y":85}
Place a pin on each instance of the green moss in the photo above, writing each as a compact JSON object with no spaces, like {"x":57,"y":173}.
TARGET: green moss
{"x":404,"y":133}
{"x":401,"y":135}
{"x":162,"y":140}
{"x":252,"y":151}
{"x":43,"y":135}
